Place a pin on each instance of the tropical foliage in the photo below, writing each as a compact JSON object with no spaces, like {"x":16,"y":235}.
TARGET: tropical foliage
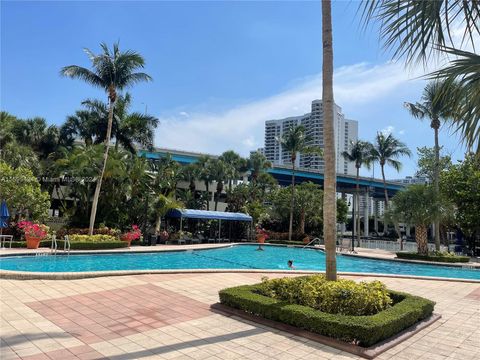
{"x":419,"y":205}
{"x":22,"y":192}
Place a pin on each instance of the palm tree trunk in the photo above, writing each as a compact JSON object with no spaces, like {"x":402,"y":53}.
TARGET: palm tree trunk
{"x":435,"y":184}
{"x":329,"y":183}
{"x":421,"y":238}
{"x":158,"y":224}
{"x":302,"y":222}
{"x":98,"y":187}
{"x":357,"y":205}
{"x":395,"y":223}
{"x":292,"y":201}
{"x":384,"y":185}
{"x":208,"y":195}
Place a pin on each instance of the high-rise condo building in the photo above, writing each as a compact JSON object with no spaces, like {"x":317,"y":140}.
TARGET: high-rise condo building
{"x":346,"y":131}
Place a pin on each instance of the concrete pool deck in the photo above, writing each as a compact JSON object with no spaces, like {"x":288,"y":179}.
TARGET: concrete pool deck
{"x":168,"y":316}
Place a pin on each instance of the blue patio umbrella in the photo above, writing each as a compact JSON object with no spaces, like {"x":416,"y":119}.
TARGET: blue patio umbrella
{"x":4,"y":216}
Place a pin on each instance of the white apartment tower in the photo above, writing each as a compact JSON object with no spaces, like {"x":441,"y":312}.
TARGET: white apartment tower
{"x":346,"y":131}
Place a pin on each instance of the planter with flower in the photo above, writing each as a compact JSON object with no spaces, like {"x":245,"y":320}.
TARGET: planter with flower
{"x":134,"y":234}
{"x":34,"y":233}
{"x":262,"y":235}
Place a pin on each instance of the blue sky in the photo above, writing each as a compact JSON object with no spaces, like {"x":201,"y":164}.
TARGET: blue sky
{"x":220,"y":69}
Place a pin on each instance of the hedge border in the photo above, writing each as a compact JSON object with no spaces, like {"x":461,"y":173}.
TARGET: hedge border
{"x":363,"y":330}
{"x":76,"y":245}
{"x":445,"y":259}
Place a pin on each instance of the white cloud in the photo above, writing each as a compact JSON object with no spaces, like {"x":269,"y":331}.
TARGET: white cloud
{"x":184,"y":113}
{"x":401,"y":132}
{"x":388,"y":130}
{"x":241,"y":128}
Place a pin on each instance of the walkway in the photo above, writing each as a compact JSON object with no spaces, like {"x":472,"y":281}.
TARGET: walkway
{"x":167,"y":316}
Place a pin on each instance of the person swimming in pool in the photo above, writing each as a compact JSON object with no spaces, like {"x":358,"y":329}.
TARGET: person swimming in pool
{"x":290,"y":264}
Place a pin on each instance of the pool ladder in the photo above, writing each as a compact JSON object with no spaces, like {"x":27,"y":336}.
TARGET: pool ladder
{"x":312,"y":242}
{"x":66,"y":244}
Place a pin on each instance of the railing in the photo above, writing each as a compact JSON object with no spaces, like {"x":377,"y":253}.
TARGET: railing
{"x":392,"y":245}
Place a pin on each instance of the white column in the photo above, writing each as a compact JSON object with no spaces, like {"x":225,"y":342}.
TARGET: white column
{"x":366,"y":214}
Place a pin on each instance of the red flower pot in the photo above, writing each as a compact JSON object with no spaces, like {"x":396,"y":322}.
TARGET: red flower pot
{"x":33,"y":242}
{"x":261,"y":239}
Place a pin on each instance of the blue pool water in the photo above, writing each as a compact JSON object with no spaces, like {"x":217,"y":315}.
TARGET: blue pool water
{"x":233,"y":257}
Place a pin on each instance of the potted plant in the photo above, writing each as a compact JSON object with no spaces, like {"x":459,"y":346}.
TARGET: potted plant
{"x":262,"y":235}
{"x":34,"y":233}
{"x":164,"y":236}
{"x":132,"y":235}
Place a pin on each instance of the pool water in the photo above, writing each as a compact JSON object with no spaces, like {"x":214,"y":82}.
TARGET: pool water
{"x":233,"y":257}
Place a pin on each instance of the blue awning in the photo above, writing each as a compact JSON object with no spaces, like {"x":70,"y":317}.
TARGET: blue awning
{"x":213,"y":215}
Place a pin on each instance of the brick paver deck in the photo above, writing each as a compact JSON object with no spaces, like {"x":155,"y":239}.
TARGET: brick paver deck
{"x":167,"y":316}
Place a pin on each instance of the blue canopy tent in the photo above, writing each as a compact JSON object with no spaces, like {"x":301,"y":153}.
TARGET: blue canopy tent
{"x":209,"y":215}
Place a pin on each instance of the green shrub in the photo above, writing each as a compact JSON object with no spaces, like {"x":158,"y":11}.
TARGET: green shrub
{"x":363,"y":330}
{"x":334,"y":297}
{"x":435,"y":256}
{"x":92,"y":238}
{"x":116,"y":244}
{"x":84,"y":231}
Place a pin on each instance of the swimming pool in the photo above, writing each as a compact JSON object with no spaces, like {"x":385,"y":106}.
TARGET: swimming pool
{"x":232,"y":257}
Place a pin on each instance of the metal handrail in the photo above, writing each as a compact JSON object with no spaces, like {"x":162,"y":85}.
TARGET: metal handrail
{"x":54,"y":246}
{"x":316,"y":239}
{"x":65,"y":243}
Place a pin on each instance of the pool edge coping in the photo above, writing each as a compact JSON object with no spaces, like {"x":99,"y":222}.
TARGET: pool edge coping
{"x":25,"y":275}
{"x":221,"y":246}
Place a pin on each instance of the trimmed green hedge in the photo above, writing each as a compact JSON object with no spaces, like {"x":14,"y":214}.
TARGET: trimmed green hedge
{"x":363,"y":330}
{"x":433,"y":257}
{"x":76,"y":245}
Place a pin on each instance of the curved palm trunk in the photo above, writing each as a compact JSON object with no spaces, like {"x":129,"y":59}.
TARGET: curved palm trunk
{"x":98,"y":187}
{"x":435,"y":184}
{"x":421,"y":239}
{"x":292,"y":202}
{"x":329,"y":198}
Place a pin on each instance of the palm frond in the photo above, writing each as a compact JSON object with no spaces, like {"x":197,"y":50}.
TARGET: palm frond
{"x":462,"y":91}
{"x":78,"y":72}
{"x":417,"y":29}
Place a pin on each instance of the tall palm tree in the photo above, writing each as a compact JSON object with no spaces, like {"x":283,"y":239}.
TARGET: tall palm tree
{"x":296,"y":141}
{"x":258,"y":163}
{"x":190,"y":173}
{"x":361,"y":154}
{"x":204,"y":163}
{"x":433,"y":108}
{"x":112,"y":71}
{"x":218,"y":172}
{"x":330,"y":177}
{"x":416,"y":30}
{"x":386,"y":150}
{"x":234,"y":164}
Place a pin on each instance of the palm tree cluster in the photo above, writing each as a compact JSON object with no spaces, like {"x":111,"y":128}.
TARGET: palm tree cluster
{"x":385,"y":150}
